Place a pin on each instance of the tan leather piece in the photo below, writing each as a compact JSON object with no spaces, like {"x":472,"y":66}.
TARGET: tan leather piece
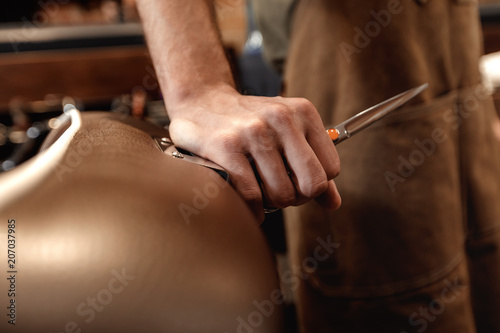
{"x":102,"y":244}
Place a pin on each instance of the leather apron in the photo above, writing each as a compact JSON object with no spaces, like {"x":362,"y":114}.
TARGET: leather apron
{"x":415,"y":245}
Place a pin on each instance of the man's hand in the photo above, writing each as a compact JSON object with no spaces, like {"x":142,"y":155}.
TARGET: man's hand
{"x":275,"y":149}
{"x":282,"y":139}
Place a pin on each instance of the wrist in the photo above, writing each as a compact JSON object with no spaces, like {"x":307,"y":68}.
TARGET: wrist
{"x":180,"y":99}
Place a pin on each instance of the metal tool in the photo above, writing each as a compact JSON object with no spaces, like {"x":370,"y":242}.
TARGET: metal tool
{"x":338,"y":133}
{"x":365,"y":118}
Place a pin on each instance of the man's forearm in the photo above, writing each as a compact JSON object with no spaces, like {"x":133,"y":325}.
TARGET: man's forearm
{"x":185,"y":46}
{"x":243,"y":134}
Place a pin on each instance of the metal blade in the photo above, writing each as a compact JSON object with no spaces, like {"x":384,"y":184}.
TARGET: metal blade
{"x":365,"y":118}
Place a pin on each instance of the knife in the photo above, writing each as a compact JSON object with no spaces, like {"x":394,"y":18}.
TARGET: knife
{"x":367,"y":117}
{"x":337,"y":133}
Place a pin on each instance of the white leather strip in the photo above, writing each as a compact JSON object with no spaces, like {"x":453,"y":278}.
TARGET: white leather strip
{"x":25,"y":177}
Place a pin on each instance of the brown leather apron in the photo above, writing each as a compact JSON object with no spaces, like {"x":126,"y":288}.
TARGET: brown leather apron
{"x":417,"y":236}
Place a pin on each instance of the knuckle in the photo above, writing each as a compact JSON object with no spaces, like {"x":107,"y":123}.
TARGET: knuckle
{"x":256,"y":128}
{"x":248,"y":190}
{"x":285,"y":199}
{"x":251,"y":195}
{"x":283,"y":195}
{"x":315,"y":186}
{"x":333,"y":171}
{"x":260,"y":135}
{"x":304,"y":106}
{"x":229,"y":141}
{"x":281,"y":115}
{"x":304,"y":103}
{"x":308,"y":112}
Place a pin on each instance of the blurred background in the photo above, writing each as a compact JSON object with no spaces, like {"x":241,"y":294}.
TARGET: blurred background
{"x":91,"y":53}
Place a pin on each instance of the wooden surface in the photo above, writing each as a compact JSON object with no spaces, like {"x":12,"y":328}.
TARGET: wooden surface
{"x":88,"y":74}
